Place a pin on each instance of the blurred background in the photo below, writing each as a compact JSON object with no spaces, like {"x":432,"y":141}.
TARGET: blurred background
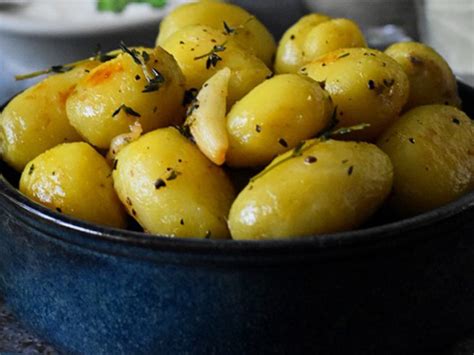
{"x":36,"y":34}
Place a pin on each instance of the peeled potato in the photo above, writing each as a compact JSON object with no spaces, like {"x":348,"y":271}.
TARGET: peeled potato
{"x":366,"y":85}
{"x":432,"y":150}
{"x":192,"y":47}
{"x":242,"y":27}
{"x":114,"y":96}
{"x":74,"y":179}
{"x":431,"y":79}
{"x":171,"y":188}
{"x":320,"y":187}
{"x":274,"y":117}
{"x":208,"y":120}
{"x":35,"y":120}
{"x":313,"y":36}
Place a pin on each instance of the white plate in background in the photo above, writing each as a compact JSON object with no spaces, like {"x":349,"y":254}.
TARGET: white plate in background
{"x":69,"y":18}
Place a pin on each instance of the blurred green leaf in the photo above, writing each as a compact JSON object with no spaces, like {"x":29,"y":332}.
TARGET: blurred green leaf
{"x":120,"y":5}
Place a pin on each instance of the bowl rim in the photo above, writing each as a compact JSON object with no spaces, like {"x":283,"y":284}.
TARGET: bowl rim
{"x":359,"y":237}
{"x":392,"y":231}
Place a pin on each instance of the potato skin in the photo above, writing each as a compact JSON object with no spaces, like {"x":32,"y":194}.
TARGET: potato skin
{"x":250,"y":33}
{"x":332,"y":186}
{"x":431,"y":79}
{"x":35,"y":120}
{"x":432,"y":150}
{"x":121,"y":81}
{"x":74,"y":179}
{"x":171,"y":188}
{"x":274,"y":117}
{"x":313,"y":36}
{"x":188,"y":44}
{"x":366,"y":85}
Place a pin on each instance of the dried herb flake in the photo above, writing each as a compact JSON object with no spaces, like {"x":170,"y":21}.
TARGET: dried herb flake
{"x":159,"y":183}
{"x":128,"y":110}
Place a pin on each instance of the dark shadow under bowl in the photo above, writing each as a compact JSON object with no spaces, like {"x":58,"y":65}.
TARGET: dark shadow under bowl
{"x":403,"y":287}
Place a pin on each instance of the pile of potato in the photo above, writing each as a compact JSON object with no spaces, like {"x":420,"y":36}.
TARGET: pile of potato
{"x":330,"y":130}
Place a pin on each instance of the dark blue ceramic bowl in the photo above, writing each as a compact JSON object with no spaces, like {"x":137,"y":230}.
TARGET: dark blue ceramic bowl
{"x":402,"y":287}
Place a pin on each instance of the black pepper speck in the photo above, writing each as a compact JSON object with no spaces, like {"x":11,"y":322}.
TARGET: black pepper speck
{"x":159,"y":184}
{"x":310,"y":159}
{"x":283,"y":142}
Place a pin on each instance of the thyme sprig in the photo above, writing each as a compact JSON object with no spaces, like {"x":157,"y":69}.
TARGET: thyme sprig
{"x":63,"y":68}
{"x":230,"y":31}
{"x":154,"y":78}
{"x":296,"y":152}
{"x":330,"y":131}
{"x":212,"y":57}
{"x":304,"y":146}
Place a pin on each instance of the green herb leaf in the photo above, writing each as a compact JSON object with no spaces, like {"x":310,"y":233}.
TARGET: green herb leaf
{"x":120,"y":5}
{"x":155,"y":79}
{"x":228,"y":29}
{"x":212,"y":57}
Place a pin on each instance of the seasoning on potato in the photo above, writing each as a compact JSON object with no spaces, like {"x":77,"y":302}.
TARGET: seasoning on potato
{"x":432,"y":150}
{"x":366,"y":85}
{"x":74,"y":179}
{"x":319,"y":187}
{"x":240,"y":26}
{"x":274,"y":117}
{"x":431,"y":79}
{"x":35,"y":120}
{"x":313,"y":36}
{"x":173,"y":121}
{"x":139,"y":85}
{"x":171,"y":188}
{"x":201,"y":51}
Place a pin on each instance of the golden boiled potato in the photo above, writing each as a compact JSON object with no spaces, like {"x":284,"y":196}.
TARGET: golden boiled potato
{"x":201,"y":51}
{"x":240,"y":26}
{"x":320,"y":187}
{"x":171,"y":188}
{"x":366,"y":85}
{"x":146,"y":87}
{"x":431,"y":79}
{"x":290,"y":55}
{"x":432,"y":150}
{"x":274,"y":117}
{"x":35,"y":120}
{"x":74,"y":179}
{"x":313,"y":36}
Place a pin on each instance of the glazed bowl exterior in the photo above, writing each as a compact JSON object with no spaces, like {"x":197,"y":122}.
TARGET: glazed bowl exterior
{"x":402,"y":287}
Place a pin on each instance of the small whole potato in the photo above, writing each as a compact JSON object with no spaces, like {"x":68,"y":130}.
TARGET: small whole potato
{"x":274,"y":117}
{"x":432,"y":150}
{"x":74,"y":179}
{"x":313,"y":36}
{"x":431,"y":79}
{"x":35,"y":120}
{"x":290,"y":55}
{"x":171,"y":188}
{"x":240,"y":26}
{"x":320,"y":187}
{"x":366,"y":85}
{"x":121,"y":92}
{"x":193,"y":49}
